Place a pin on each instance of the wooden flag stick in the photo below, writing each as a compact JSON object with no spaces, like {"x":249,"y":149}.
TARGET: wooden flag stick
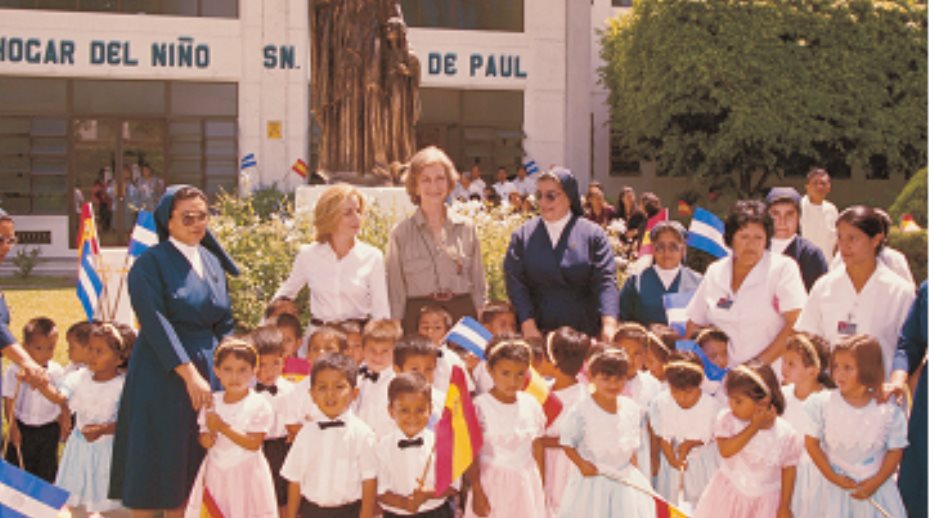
{"x":421,"y":479}
{"x":6,"y":440}
{"x":648,"y":492}
{"x":123,"y":274}
{"x":879,"y":508}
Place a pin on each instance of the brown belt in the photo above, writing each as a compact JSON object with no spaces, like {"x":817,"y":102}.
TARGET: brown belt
{"x":317,"y":322}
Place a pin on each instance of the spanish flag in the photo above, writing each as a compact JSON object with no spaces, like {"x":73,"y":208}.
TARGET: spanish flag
{"x":538,"y":388}
{"x":87,"y":230}
{"x":458,"y":438}
{"x":209,"y":507}
{"x":683,"y":208}
{"x":300,"y":168}
{"x":646,"y":246}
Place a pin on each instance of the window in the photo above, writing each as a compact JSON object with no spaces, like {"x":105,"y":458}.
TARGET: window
{"x":623,"y":161}
{"x":478,"y":15}
{"x":33,"y":165}
{"x":622,"y":3}
{"x":206,"y":8}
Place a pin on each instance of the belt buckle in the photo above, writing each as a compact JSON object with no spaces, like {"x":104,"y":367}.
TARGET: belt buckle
{"x":443,"y":296}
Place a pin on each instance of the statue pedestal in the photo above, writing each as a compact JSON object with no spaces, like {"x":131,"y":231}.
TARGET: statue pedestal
{"x":391,"y":200}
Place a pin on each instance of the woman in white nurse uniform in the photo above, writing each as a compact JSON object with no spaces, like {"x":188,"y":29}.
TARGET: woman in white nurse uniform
{"x":753,"y":295}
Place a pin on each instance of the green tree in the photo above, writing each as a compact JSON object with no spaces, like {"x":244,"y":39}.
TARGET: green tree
{"x":734,"y":91}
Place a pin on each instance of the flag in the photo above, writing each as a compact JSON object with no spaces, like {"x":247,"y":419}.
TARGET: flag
{"x":470,"y":335}
{"x":909,"y":224}
{"x":209,"y":508}
{"x":144,"y":234}
{"x":706,"y":233}
{"x":458,"y":437}
{"x":87,"y":230}
{"x":531,"y":167}
{"x":25,"y":495}
{"x":665,"y":510}
{"x":646,"y":246}
{"x":90,"y":285}
{"x":683,"y":208}
{"x":538,"y":388}
{"x":300,"y":168}
{"x":676,"y":305}
{"x":713,"y":372}
{"x":295,"y":369}
{"x":248,"y":161}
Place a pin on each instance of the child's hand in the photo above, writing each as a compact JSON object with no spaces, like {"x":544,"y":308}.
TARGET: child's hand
{"x":783,"y":512}
{"x":481,"y":506}
{"x":588,"y":469}
{"x":92,"y":432}
{"x":764,"y":418}
{"x":15,"y":436}
{"x":864,"y":490}
{"x":208,"y":440}
{"x":843,"y":481}
{"x":416,"y":499}
{"x":684,"y":449}
{"x":64,"y":423}
{"x":213,"y":421}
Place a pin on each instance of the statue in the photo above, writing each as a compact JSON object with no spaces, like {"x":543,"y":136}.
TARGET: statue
{"x":364,"y":83}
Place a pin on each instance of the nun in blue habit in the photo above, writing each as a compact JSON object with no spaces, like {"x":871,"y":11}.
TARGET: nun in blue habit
{"x":641,"y":299}
{"x":560,"y":268}
{"x":178,"y":290}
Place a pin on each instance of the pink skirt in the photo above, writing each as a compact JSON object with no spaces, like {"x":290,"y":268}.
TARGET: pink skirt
{"x":245,"y":490}
{"x":512,"y":493}
{"x":721,"y":499}
{"x":557,"y":471}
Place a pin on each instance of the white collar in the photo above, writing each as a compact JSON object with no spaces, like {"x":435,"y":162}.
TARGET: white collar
{"x":190,"y":252}
{"x":555,"y":228}
{"x":666,"y":276}
{"x":779,"y":245}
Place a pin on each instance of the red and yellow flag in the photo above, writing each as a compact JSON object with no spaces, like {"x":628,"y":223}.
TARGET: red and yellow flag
{"x":300,"y":168}
{"x":209,"y":507}
{"x":683,"y":208}
{"x":538,"y":388}
{"x":645,"y":247}
{"x":665,"y":510}
{"x":87,"y":230}
{"x":458,"y":437}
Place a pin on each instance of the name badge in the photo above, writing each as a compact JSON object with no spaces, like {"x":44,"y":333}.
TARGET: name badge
{"x":846,"y":328}
{"x":724,"y":303}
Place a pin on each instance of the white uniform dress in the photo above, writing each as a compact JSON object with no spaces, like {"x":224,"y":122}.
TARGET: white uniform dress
{"x":834,"y":310}
{"x":895,"y":260}
{"x":676,"y":425}
{"x":643,"y":389}
{"x":85,"y":466}
{"x":753,"y":316}
{"x":608,"y":441}
{"x":558,"y":466}
{"x":855,"y":441}
{"x":508,"y":472}
{"x":806,"y":495}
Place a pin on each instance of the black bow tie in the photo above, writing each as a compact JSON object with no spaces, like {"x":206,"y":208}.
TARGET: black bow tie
{"x":406,"y":443}
{"x":368,"y":374}
{"x":324,"y":425}
{"x":272,"y":389}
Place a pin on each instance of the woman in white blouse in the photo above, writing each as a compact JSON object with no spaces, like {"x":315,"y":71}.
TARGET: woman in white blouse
{"x":753,"y":295}
{"x":346,"y":278}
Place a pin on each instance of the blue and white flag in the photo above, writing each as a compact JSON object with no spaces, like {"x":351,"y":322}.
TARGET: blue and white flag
{"x":144,"y":234}
{"x":25,"y":495}
{"x":248,"y":160}
{"x":90,"y":285}
{"x":676,"y":309}
{"x":712,"y":372}
{"x":531,"y":167}
{"x":471,"y":335}
{"x":706,"y":233}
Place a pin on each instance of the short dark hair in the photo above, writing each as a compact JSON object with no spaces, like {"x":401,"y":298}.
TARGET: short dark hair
{"x":186,"y":193}
{"x":608,"y":361}
{"x":514,"y":349}
{"x":277,"y":305}
{"x":412,"y":345}
{"x":650,"y":203}
{"x":335,"y":362}
{"x":868,"y":220}
{"x":236,"y":347}
{"x":757,"y":381}
{"x":567,"y":349}
{"x":39,"y":326}
{"x":632,"y":331}
{"x":684,"y":370}
{"x":815,"y":352}
{"x":747,"y":212}
{"x":495,"y":308}
{"x":816,"y":171}
{"x":267,"y":340}
{"x":290,"y":321}
{"x":434,"y":309}
{"x":711,"y":333}
{"x":328,"y":332}
{"x":80,"y":332}
{"x":409,"y":383}
{"x":666,"y":334}
{"x":658,"y":348}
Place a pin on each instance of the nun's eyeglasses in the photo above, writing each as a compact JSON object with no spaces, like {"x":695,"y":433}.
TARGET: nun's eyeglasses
{"x":547,"y":195}
{"x":8,"y":241}
{"x":190,"y":218}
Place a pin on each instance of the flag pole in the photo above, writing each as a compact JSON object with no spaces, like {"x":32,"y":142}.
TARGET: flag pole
{"x":123,"y":274}
{"x":879,"y":508}
{"x":6,"y":440}
{"x":647,"y":492}
{"x":421,"y":479}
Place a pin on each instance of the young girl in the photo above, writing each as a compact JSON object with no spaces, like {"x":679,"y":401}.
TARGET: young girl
{"x":683,"y":418}
{"x":714,"y":343}
{"x":506,"y":477}
{"x":565,"y":353}
{"x":759,"y":450}
{"x":804,"y":372}
{"x":235,"y":473}
{"x":600,"y":435}
{"x":641,"y":387}
{"x":855,"y":441}
{"x":93,"y":394}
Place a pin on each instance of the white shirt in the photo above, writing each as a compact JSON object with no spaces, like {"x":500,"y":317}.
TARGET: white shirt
{"x":330,"y":465}
{"x":281,"y":405}
{"x":895,"y":260}
{"x":835,"y":310}
{"x":32,"y":408}
{"x":351,"y":287}
{"x":503,"y":189}
{"x":476,"y":187}
{"x":779,"y":245}
{"x":191,"y":253}
{"x":526,"y":186}
{"x":555,"y":228}
{"x":372,"y":405}
{"x":753,"y":316}
{"x":667,"y":276}
{"x":446,"y":362}
{"x":460,"y":192}
{"x":301,"y":408}
{"x":819,"y":224}
{"x":401,"y":468}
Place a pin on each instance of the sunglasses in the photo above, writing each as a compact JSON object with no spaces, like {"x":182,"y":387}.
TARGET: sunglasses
{"x":670,"y":247}
{"x":190,"y":218}
{"x":548,"y":195}
{"x":8,"y":240}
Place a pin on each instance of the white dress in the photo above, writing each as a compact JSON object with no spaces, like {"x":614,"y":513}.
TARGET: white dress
{"x":558,"y":466}
{"x":239,"y":480}
{"x":85,"y":466}
{"x":855,"y":441}
{"x":676,"y":425}
{"x":806,"y":494}
{"x":508,"y":472}
{"x":608,"y":441}
{"x":643,"y":389}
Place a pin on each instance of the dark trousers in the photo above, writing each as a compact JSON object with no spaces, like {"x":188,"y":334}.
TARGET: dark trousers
{"x":442,"y":511}
{"x":40,"y":449}
{"x":312,"y":510}
{"x":275,"y":451}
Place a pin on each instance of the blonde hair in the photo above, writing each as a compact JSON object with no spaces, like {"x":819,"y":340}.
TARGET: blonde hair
{"x":425,"y":158}
{"x":329,"y":209}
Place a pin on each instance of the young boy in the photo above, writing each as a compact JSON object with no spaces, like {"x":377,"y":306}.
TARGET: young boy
{"x":353,"y":330}
{"x":291,"y":329}
{"x":417,"y":354}
{"x":499,"y":318}
{"x":34,"y":420}
{"x":78,"y":338}
{"x":379,"y":339}
{"x":434,"y":322}
{"x":279,"y":306}
{"x":405,"y":487}
{"x":332,"y":465}
{"x":324,"y":340}
{"x":277,"y":390}
{"x":641,"y":387}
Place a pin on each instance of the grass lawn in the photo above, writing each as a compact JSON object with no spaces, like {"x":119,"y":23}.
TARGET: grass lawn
{"x":52,"y":297}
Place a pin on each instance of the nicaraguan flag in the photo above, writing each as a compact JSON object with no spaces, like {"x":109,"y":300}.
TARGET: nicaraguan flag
{"x":90,"y":285}
{"x":144,"y":234}
{"x":712,"y":372}
{"x":531,"y":167}
{"x":28,"y":496}
{"x":471,"y":335}
{"x":676,"y":309}
{"x":248,"y":160}
{"x":706,"y":233}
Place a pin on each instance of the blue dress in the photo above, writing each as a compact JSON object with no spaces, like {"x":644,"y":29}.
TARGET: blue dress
{"x":570,"y":284}
{"x":912,"y":348}
{"x":182,"y":317}
{"x":640,"y":300}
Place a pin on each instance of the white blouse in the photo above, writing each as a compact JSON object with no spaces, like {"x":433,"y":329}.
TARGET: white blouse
{"x":252,"y":414}
{"x":673,"y":423}
{"x":93,"y":402}
{"x":509,"y":429}
{"x":607,"y":440}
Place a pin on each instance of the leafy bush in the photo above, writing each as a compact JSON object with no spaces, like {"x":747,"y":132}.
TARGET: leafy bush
{"x":26,"y":261}
{"x":915,"y":247}
{"x":913,"y":199}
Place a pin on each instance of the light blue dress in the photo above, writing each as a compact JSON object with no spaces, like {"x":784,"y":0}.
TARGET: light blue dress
{"x":643,"y":389}
{"x":855,"y":441}
{"x":807,"y":477}
{"x":609,"y":442}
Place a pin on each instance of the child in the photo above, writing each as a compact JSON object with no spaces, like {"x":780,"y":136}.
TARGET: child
{"x":279,"y":306}
{"x":601,"y":435}
{"x":657,"y":352}
{"x":278,"y":393}
{"x":855,"y":441}
{"x":506,"y":478}
{"x":499,"y":318}
{"x":417,"y":354}
{"x":77,"y":337}
{"x":804,"y":370}
{"x":565,"y":353}
{"x":683,"y":418}
{"x":406,"y":487}
{"x":379,"y":339}
{"x":93,"y":393}
{"x":332,"y":465}
{"x":323,"y":340}
{"x":641,"y":387}
{"x":715,"y":345}
{"x":435,"y":322}
{"x":353,"y":331}
{"x":758,"y":449}
{"x":291,"y":329}
{"x":35,"y":426}
{"x":235,"y":472}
